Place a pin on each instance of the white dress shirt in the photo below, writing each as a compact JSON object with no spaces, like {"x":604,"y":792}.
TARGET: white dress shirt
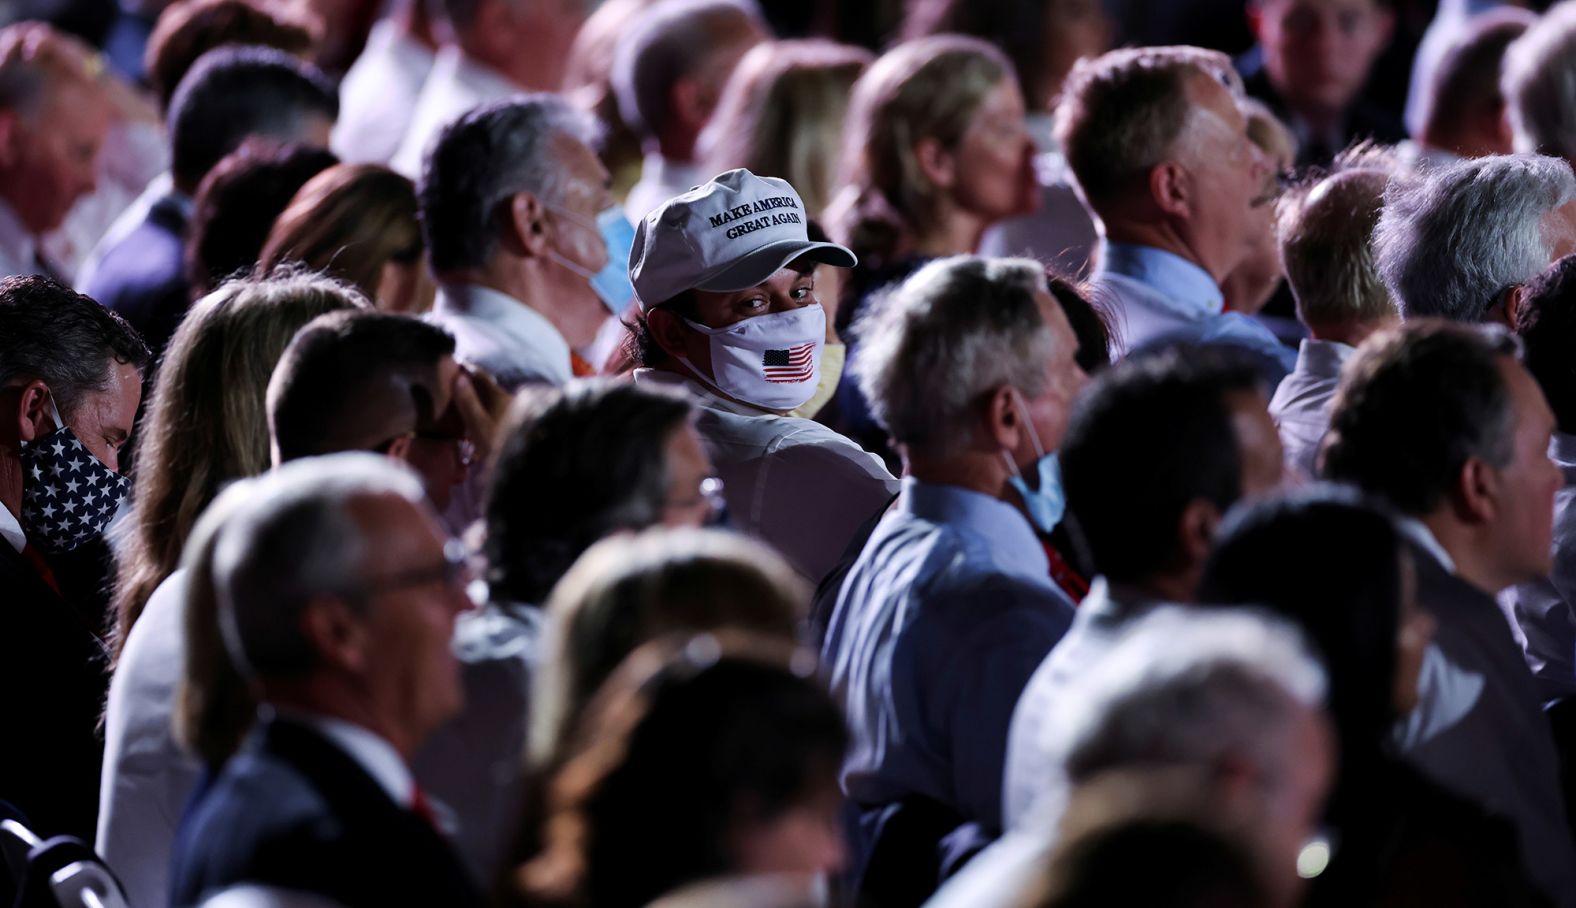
{"x":11,"y":529}
{"x":1540,"y":613}
{"x":660,"y":179}
{"x":794,"y":483}
{"x":147,"y":776}
{"x":379,"y":94}
{"x":455,"y":85}
{"x":374,"y":754}
{"x":497,"y":332}
{"x":1301,"y":405}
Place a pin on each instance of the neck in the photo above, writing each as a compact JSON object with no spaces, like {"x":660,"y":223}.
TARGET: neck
{"x":531,"y":72}
{"x":11,"y":482}
{"x":677,"y":145}
{"x":1471,"y":548}
{"x":523,"y":280}
{"x":977,"y":471}
{"x":1161,"y":234}
{"x":953,"y":232}
{"x":1463,"y":143}
{"x":326,"y":696}
{"x":1176,"y":586}
{"x":411,"y":20}
{"x":1351,"y":334}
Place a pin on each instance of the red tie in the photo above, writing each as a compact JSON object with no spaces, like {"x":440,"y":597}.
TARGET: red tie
{"x":579,"y":366}
{"x":41,"y":566}
{"x":421,"y":807}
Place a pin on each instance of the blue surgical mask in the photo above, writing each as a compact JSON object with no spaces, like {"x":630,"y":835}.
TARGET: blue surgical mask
{"x":611,"y":284}
{"x":1048,"y":503}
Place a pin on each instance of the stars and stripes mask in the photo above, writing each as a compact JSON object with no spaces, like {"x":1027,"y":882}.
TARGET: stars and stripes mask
{"x":68,"y":495}
{"x":772,"y":361}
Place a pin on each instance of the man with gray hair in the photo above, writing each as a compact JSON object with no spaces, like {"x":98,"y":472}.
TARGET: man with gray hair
{"x":1325,"y":230}
{"x":1233,"y":694}
{"x":1458,"y":242}
{"x":668,"y":74}
{"x":951,"y":606}
{"x":337,"y":595}
{"x":1162,"y":155}
{"x":510,"y":203}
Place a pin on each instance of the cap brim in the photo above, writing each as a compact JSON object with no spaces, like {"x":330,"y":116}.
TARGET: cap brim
{"x":754,"y":269}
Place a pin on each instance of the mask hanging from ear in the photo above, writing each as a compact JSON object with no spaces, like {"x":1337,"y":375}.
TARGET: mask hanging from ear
{"x":611,"y":284}
{"x":1047,"y":504}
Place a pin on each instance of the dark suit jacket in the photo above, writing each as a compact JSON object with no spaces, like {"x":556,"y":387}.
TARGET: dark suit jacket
{"x":1364,"y":119}
{"x":143,"y":277}
{"x":292,"y":810}
{"x":52,"y":684}
{"x":1485,"y":736}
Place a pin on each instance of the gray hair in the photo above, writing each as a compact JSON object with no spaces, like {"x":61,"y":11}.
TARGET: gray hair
{"x":1539,"y":83}
{"x":1452,"y":239}
{"x":1122,"y":112}
{"x":1326,"y":231}
{"x":1188,"y":686}
{"x":954,"y":331}
{"x":483,"y":158}
{"x":669,"y":41}
{"x":294,"y":538}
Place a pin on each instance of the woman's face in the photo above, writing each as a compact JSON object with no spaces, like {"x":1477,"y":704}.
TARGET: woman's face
{"x":992,"y":167}
{"x":807,"y":838}
{"x":1414,"y":631}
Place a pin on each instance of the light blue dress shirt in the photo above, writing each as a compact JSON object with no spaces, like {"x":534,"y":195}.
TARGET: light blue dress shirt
{"x":1156,"y":297}
{"x":1301,"y":405}
{"x":939,"y":625}
{"x":1540,"y":610}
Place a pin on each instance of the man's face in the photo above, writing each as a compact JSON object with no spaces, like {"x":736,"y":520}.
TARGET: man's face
{"x":1526,"y":486}
{"x":438,"y":451}
{"x":688,"y":467}
{"x":1226,"y":175}
{"x":1048,"y":412}
{"x":1258,"y":444}
{"x":574,"y":235}
{"x":102,"y":420}
{"x":53,"y":157}
{"x":1318,"y":53}
{"x":409,"y":671}
{"x":788,"y":289}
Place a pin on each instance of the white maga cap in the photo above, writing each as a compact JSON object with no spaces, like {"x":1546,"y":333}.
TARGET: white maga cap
{"x":727,"y":235}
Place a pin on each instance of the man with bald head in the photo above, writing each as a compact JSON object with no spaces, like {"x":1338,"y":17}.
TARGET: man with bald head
{"x":52,"y":123}
{"x":1325,"y":231}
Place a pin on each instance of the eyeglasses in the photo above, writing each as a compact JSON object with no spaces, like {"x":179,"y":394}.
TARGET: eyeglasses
{"x":453,"y":572}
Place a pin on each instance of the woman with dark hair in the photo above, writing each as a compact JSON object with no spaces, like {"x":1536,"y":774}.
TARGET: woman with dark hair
{"x":703,"y":762}
{"x":1341,"y":570}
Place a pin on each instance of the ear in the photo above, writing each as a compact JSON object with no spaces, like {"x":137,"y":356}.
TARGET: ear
{"x":337,"y":636}
{"x":525,"y":230}
{"x":1196,"y":530}
{"x":32,"y":412}
{"x":1512,"y":307}
{"x":668,"y":330}
{"x":936,"y":162}
{"x":1003,"y":422}
{"x":1171,"y":189}
{"x":399,"y":449}
{"x":1476,"y":491}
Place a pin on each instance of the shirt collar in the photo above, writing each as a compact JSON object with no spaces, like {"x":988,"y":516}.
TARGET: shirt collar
{"x":1421,"y":536}
{"x":1321,"y":358}
{"x":1014,"y":547}
{"x":15,"y":235}
{"x":511,"y":316}
{"x":370,"y":750}
{"x":1562,"y":448}
{"x":1174,"y":277}
{"x":11,"y":529}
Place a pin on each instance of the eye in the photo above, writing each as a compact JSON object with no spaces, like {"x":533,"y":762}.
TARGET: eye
{"x":753,"y":304}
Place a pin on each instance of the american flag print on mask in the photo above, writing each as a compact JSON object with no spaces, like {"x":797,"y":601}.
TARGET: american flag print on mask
{"x":796,"y":364}
{"x":68,"y":494}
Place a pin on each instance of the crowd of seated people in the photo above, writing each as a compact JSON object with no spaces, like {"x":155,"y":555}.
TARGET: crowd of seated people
{"x":711,"y":453}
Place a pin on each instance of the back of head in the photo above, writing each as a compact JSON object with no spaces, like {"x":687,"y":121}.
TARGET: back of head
{"x":716,"y":735}
{"x":930,"y":88}
{"x":187,"y":29}
{"x":782,"y":114}
{"x":482,"y":159}
{"x":1452,"y":240}
{"x":50,"y":333}
{"x":237,"y":203}
{"x":1325,"y":228}
{"x":235,"y":92}
{"x":671,"y":40}
{"x":348,"y":222}
{"x":354,"y":381}
{"x":1127,"y":501}
{"x":200,"y":432}
{"x":1120,"y":113}
{"x":1413,"y":405}
{"x":955,"y":331}
{"x":1539,"y":82}
{"x":628,"y":590}
{"x":1274,"y":553}
{"x":1018,"y":27}
{"x":1466,"y":86}
{"x":575,"y":464}
{"x":294,"y":539}
{"x":1546,"y":324}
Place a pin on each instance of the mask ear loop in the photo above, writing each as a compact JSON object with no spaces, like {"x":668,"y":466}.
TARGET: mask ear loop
{"x":1034,"y":435}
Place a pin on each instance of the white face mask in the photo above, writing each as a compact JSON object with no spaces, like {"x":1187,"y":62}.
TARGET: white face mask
{"x":771,"y":361}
